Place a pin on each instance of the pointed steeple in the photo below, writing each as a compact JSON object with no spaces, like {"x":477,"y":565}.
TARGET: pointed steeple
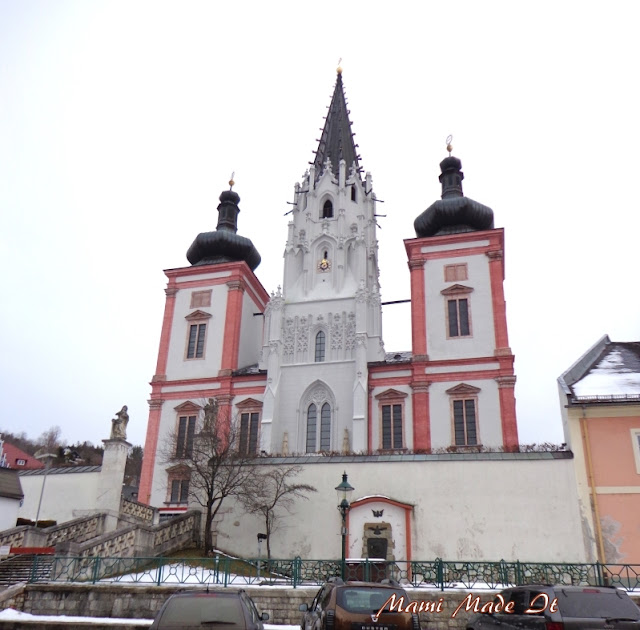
{"x":336,"y":141}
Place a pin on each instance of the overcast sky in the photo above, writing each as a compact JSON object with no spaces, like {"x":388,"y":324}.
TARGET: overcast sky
{"x":121,"y":122}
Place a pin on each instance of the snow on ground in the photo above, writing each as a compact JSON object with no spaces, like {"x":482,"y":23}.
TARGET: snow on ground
{"x":9,"y":614}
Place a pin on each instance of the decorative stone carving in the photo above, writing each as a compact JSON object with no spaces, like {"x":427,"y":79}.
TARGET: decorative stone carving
{"x":350,"y":332}
{"x":119,"y":424}
{"x":336,"y":333}
{"x":288,"y":337}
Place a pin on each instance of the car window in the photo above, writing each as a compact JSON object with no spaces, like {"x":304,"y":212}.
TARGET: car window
{"x":367,"y":599}
{"x":248,"y":602}
{"x":325,"y":596}
{"x":593,"y":603}
{"x":520,"y":603}
{"x":224,"y":612}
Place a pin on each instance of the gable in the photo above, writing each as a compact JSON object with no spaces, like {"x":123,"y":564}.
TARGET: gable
{"x":463,"y":389}
{"x":188,"y":407}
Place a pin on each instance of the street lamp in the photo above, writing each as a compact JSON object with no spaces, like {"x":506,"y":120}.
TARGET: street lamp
{"x":344,"y":491}
{"x":48,"y":457}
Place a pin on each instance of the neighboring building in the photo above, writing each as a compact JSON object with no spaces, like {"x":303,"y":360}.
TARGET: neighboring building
{"x":13,"y":457}
{"x":600,"y":400}
{"x":10,"y":497}
{"x":311,"y":381}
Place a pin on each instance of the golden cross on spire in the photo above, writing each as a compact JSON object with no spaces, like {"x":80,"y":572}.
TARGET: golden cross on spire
{"x":449,"y":147}
{"x":231,"y":182}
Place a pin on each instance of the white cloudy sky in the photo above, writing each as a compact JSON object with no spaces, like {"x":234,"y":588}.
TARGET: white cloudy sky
{"x":120,"y":123}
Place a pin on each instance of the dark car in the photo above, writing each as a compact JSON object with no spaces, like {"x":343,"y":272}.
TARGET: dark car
{"x":342,"y":605}
{"x":544,"y":607}
{"x":227,"y":610}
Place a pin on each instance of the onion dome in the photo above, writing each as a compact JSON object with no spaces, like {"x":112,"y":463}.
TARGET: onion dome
{"x":224,"y":245}
{"x":453,"y":213}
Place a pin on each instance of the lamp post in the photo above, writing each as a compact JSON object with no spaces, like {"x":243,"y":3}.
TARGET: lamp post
{"x":344,"y":491}
{"x":48,"y":457}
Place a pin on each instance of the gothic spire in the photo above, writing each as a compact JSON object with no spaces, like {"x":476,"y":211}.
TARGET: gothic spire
{"x":336,"y":141}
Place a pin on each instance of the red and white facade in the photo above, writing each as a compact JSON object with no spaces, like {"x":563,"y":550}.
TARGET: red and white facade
{"x":304,"y":373}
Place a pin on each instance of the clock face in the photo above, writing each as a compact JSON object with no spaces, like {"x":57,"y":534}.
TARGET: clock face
{"x":324,"y":265}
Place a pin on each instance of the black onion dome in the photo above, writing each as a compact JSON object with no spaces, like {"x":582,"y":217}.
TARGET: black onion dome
{"x":453,"y":213}
{"x":224,"y":245}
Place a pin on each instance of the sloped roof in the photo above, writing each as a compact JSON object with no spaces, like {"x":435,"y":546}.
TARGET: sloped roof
{"x":67,"y":470}
{"x":10,"y":487}
{"x":609,"y":372}
{"x":14,"y":454}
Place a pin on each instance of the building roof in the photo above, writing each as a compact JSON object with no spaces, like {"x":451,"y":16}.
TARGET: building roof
{"x":67,"y":470}
{"x":10,"y":487}
{"x":336,"y":142}
{"x":14,"y":455}
{"x":609,"y":372}
{"x":453,"y":213}
{"x":224,"y":245}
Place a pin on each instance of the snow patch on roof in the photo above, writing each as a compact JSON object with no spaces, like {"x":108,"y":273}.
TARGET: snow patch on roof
{"x":616,"y":374}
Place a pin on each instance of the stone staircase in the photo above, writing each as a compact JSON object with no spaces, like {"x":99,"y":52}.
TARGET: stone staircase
{"x":20,"y":568}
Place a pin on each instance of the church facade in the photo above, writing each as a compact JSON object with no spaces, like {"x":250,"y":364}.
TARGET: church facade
{"x":428,"y":436}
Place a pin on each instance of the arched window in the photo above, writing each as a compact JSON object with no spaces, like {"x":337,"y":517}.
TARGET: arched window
{"x":353,"y":193}
{"x":327,"y":210}
{"x":325,"y":427}
{"x":311,"y":429}
{"x":320,"y":339}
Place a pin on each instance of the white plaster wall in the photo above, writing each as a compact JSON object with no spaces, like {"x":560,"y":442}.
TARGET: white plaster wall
{"x":392,"y":516}
{"x":481,"y":343}
{"x":376,"y":420}
{"x":66,"y":496}
{"x":177,"y":366}
{"x":488,"y":413}
{"x":250,"y":332}
{"x":464,"y":510}
{"x":8,"y":512}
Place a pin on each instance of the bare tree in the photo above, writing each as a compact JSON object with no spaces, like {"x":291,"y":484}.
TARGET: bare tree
{"x":215,"y":468}
{"x":51,"y":439}
{"x":272,"y":493}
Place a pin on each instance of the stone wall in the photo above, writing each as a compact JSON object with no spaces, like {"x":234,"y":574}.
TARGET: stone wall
{"x":138,"y":510}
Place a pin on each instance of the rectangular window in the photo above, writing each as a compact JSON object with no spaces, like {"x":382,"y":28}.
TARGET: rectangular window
{"x":249,"y":423}
{"x":455,"y":273}
{"x":200,"y":298}
{"x":391,"y":426}
{"x":179,"y":491}
{"x":464,"y":422}
{"x":186,"y":431}
{"x":195,"y":347}
{"x":458,"y":316}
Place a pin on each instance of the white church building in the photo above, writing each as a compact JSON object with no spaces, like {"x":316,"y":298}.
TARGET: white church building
{"x":428,"y":436}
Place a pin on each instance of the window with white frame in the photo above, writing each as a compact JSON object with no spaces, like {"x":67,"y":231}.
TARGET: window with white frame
{"x":635,"y":445}
{"x":464,"y":415}
{"x":457,"y":311}
{"x":391,"y":415}
{"x":196,"y":334}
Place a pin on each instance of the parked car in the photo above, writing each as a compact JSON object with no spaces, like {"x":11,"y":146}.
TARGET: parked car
{"x":224,"y":610}
{"x":342,"y":605}
{"x":544,"y":607}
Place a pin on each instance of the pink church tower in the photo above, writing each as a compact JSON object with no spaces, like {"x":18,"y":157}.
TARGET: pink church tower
{"x":208,"y":332}
{"x":462,"y":366}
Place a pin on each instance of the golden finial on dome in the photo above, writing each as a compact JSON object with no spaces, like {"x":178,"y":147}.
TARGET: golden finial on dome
{"x":449,"y":147}
{"x":231,"y":182}
{"x":339,"y":69}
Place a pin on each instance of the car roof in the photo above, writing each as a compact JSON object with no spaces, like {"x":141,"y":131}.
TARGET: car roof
{"x":565,"y":587}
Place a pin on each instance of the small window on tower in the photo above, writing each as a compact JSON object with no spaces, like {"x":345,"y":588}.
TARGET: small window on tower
{"x":327,"y":210}
{"x":353,"y":193}
{"x":457,"y":311}
{"x":320,"y":345}
{"x":455,"y":273}
{"x":200,"y":298}
{"x":196,"y":334}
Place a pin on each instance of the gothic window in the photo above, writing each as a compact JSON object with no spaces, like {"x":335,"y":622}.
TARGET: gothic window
{"x":353,"y":193}
{"x":196,"y":334}
{"x":320,"y":346}
{"x":318,"y":435}
{"x":184,"y":440}
{"x":311,"y":428}
{"x":327,"y":210}
{"x":458,"y":315}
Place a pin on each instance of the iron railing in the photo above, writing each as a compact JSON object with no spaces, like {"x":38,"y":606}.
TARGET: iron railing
{"x":434,"y":574}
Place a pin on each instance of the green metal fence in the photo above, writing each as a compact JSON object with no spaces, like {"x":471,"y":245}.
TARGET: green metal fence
{"x":433,"y":574}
